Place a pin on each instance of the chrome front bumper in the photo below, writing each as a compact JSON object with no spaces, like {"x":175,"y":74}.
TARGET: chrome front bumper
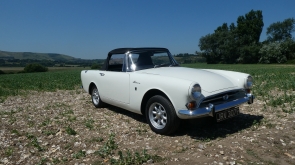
{"x":211,"y":108}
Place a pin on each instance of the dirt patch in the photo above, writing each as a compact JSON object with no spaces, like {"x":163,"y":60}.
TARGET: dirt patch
{"x":63,"y":127}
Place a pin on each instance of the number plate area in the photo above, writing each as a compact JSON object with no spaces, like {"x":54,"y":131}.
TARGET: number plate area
{"x":228,"y":113}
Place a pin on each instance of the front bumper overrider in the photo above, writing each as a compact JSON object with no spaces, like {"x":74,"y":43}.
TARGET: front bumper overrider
{"x":211,"y":109}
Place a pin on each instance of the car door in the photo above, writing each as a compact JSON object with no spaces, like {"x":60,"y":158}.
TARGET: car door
{"x":114,"y":84}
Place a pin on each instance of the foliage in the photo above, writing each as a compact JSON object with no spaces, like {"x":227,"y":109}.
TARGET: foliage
{"x":249,"y":53}
{"x":34,"y":141}
{"x":208,"y":47}
{"x":79,"y":154}
{"x":220,"y":46}
{"x":107,"y":151}
{"x":281,"y":31}
{"x":249,"y":27}
{"x":187,"y":59}
{"x":89,"y":123}
{"x":291,"y":61}
{"x":1,"y":72}
{"x":135,"y":159}
{"x":277,"y":52}
{"x":183,"y":55}
{"x":108,"y":148}
{"x":288,"y":48}
{"x":95,"y":66}
{"x":280,"y":34}
{"x":70,"y":131}
{"x":240,"y":44}
{"x":234,"y":44}
{"x":272,"y":53}
{"x":30,"y":68}
{"x":18,"y":84}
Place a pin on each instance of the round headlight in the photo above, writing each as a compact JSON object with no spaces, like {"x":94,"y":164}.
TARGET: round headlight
{"x":249,"y":82}
{"x":196,"y":91}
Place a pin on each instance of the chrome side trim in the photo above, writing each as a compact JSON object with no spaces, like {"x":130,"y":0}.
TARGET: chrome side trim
{"x":211,"y":108}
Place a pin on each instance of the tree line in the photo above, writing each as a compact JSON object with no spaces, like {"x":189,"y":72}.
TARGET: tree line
{"x":240,"y":43}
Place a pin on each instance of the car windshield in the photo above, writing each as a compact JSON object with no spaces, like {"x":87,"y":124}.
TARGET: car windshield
{"x":150,"y":59}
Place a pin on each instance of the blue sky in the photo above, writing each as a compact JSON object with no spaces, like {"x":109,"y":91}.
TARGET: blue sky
{"x":89,"y":29}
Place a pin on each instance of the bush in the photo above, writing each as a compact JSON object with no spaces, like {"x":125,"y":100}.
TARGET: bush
{"x":272,"y":53}
{"x":95,"y":66}
{"x":291,"y":61}
{"x":35,"y":68}
{"x":1,"y":72}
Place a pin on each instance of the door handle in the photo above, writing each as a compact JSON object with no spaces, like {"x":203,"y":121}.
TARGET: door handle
{"x":102,"y":74}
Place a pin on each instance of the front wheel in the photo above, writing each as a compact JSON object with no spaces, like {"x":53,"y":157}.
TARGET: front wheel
{"x":97,"y":102}
{"x":161,"y":115}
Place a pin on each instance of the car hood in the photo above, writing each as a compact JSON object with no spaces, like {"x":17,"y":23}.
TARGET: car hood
{"x":209,"y":81}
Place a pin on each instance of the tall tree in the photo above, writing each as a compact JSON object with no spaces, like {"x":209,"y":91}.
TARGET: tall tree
{"x":249,"y":27}
{"x":209,"y":48}
{"x":232,"y":44}
{"x":227,"y":44}
{"x":281,"y":31}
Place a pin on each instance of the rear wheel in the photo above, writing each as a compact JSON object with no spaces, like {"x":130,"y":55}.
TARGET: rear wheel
{"x":97,"y":102}
{"x":161,"y":115}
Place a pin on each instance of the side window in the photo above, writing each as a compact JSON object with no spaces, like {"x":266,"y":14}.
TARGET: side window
{"x":116,"y":59}
{"x":116,"y":62}
{"x":161,"y":58}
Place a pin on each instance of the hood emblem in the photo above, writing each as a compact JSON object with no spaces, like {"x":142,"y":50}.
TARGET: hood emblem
{"x":225,"y":97}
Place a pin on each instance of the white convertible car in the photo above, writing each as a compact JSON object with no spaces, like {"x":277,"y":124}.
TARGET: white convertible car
{"x":149,"y":81}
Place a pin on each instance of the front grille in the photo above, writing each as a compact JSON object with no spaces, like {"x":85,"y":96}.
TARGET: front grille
{"x":223,"y":97}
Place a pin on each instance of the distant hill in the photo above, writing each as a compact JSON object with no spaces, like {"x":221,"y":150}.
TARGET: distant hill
{"x":35,"y":56}
{"x":21,"y":59}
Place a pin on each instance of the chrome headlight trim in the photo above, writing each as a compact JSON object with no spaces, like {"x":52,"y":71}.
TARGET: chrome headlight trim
{"x":195,"y":94}
{"x":196,"y":91}
{"x":249,"y":82}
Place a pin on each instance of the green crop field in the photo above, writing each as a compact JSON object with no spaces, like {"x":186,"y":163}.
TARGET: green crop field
{"x":274,"y":84}
{"x":18,"y":84}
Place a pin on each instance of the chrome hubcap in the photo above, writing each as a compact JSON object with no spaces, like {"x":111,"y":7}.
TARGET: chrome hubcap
{"x":95,"y":96}
{"x":157,"y":115}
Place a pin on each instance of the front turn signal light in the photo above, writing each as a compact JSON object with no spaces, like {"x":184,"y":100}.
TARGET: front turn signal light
{"x":191,"y":105}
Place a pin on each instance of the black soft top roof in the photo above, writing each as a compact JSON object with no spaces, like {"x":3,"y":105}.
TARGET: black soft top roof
{"x":124,"y":50}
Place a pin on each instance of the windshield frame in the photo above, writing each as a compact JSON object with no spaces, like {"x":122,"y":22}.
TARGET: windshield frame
{"x":131,"y":65}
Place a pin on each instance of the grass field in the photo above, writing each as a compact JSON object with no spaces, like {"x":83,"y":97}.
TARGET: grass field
{"x":18,"y":84}
{"x":274,"y":84}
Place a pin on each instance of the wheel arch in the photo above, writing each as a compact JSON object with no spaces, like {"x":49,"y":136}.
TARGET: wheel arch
{"x":150,"y":93}
{"x":91,"y":85}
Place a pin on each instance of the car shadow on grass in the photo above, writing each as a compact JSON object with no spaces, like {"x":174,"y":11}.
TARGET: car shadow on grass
{"x":132,"y":115}
{"x":206,"y":129}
